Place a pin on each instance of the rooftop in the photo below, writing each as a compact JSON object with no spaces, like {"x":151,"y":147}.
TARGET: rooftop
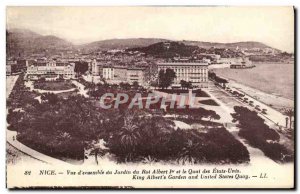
{"x":183,"y":63}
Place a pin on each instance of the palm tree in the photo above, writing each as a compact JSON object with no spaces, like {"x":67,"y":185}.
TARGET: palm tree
{"x":129,"y":136}
{"x":187,"y":154}
{"x":290,"y":114}
{"x":98,"y":149}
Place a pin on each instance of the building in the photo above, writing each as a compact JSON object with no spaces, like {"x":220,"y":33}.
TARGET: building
{"x":195,"y":72}
{"x":50,"y":70}
{"x":125,"y":74}
{"x":16,"y":66}
{"x":95,"y":67}
{"x":107,"y":73}
{"x":135,"y":74}
{"x":117,"y":74}
{"x":241,"y":63}
{"x":8,"y":69}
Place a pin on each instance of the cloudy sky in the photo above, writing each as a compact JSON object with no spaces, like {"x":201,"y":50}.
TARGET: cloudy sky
{"x":270,"y":25}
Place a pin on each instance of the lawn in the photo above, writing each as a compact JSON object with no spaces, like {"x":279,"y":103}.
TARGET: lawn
{"x":56,"y":85}
{"x":198,"y":92}
{"x":199,"y":121}
{"x":270,"y":78}
{"x":66,"y":94}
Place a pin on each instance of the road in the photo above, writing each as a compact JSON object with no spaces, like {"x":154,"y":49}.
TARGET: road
{"x":272,"y":114}
{"x":10,"y":82}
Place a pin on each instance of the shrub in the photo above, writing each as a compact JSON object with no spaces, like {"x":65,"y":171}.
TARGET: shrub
{"x":209,"y":102}
{"x":155,"y":137}
{"x":258,"y":134}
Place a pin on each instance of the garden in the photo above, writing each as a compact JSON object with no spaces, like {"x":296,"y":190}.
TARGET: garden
{"x":54,"y":85}
{"x":65,"y":127}
{"x":197,"y":92}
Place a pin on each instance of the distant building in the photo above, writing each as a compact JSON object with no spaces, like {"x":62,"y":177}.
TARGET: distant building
{"x":8,"y":69}
{"x":108,"y":73}
{"x":117,"y":74}
{"x":241,"y":63}
{"x":135,"y":75}
{"x":211,"y":57}
{"x":50,"y":70}
{"x":95,"y":66}
{"x":195,"y":72}
{"x":16,"y":66}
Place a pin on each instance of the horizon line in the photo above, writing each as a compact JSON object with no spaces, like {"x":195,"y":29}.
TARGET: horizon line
{"x":77,"y":42}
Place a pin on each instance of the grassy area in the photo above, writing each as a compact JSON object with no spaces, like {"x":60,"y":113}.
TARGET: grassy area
{"x":198,"y":93}
{"x":199,"y":121}
{"x":270,"y":78}
{"x":57,"y":85}
{"x":67,"y":94}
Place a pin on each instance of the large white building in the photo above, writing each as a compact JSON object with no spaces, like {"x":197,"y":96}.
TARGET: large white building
{"x":50,"y":70}
{"x":118,"y":74}
{"x":195,"y":72}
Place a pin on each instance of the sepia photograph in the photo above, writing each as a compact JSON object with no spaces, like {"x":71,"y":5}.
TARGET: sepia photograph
{"x":150,"y":97}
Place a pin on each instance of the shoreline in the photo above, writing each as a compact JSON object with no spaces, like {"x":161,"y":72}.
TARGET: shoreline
{"x":277,"y":102}
{"x":264,"y":78}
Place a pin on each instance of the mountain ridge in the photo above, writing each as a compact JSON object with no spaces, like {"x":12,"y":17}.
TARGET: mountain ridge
{"x":24,"y":40}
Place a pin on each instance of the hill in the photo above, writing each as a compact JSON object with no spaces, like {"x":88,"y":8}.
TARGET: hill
{"x":120,"y":43}
{"x":247,"y":44}
{"x":144,"y":42}
{"x":167,"y":49}
{"x":21,"y":42}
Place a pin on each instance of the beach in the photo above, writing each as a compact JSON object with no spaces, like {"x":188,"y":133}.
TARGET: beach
{"x":272,"y":84}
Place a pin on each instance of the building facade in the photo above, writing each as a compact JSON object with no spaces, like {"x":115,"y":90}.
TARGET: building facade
{"x":135,"y":75}
{"x":195,"y":72}
{"x":117,"y":74}
{"x":50,"y":70}
{"x":16,"y":66}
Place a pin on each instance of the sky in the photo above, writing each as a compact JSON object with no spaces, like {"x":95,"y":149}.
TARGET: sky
{"x":273,"y":26}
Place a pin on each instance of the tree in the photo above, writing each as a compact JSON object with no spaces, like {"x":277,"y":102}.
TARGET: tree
{"x":98,"y":149}
{"x":170,"y":76}
{"x":42,"y":79}
{"x":154,"y":83}
{"x":125,"y":86}
{"x":166,"y":78}
{"x":15,"y":119}
{"x":50,"y":98}
{"x":211,"y":75}
{"x":161,"y":78}
{"x":61,"y":129}
{"x":81,"y":67}
{"x":214,"y":116}
{"x":258,"y":134}
{"x":189,"y":85}
{"x":129,"y":137}
{"x":135,"y":85}
{"x":290,"y":114}
{"x":183,"y":84}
